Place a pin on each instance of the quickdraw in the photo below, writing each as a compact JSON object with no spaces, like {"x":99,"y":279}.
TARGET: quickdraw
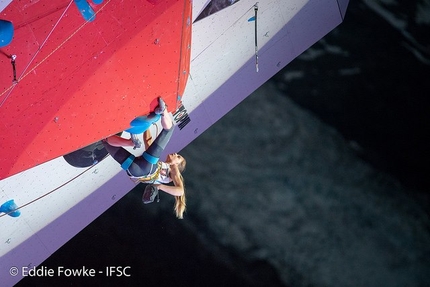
{"x":13,"y":58}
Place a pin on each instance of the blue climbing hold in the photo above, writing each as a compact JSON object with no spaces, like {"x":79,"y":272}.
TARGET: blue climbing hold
{"x":6,"y":33}
{"x":85,"y":9}
{"x":97,"y":2}
{"x":141,"y":124}
{"x":10,"y":208}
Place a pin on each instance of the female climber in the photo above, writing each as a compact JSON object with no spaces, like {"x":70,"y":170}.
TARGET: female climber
{"x":148,"y":168}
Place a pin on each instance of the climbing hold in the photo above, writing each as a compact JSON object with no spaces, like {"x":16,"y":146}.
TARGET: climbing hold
{"x":6,"y":33}
{"x":85,"y":9}
{"x":10,"y":208}
{"x":141,"y":124}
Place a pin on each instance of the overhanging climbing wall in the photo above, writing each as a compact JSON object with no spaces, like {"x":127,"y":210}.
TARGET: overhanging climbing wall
{"x":78,"y":81}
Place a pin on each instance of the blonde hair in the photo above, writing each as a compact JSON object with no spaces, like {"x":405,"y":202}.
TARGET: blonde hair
{"x":180,"y":201}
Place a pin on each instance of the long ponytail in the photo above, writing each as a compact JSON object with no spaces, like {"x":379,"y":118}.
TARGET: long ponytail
{"x":180,"y":201}
{"x":180,"y":206}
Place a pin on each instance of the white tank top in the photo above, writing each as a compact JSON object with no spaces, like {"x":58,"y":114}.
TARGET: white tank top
{"x":163,"y":176}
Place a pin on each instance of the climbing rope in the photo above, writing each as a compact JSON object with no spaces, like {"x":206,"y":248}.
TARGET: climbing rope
{"x":24,"y":73}
{"x":48,"y":193}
